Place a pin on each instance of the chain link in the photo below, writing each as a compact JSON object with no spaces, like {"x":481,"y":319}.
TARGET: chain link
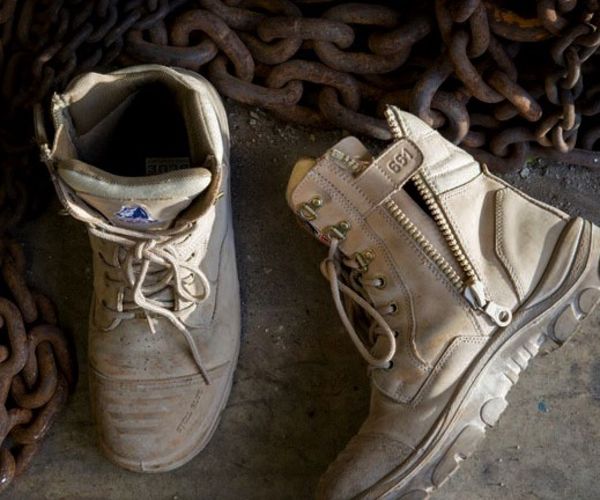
{"x":37,"y":367}
{"x":324,"y":63}
{"x":526,"y":72}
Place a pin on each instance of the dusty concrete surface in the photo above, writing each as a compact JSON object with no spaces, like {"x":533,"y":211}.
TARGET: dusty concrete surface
{"x":301,"y":390}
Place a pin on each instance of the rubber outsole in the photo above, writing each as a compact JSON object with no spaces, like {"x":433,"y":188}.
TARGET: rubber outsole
{"x":463,"y":427}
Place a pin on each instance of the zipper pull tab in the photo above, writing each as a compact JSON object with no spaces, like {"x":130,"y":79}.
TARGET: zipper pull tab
{"x":475,"y":294}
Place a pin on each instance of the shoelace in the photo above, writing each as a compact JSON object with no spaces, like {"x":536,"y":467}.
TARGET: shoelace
{"x":142,"y":250}
{"x":330,"y":268}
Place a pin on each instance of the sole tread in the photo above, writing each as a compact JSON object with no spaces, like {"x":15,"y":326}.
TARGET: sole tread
{"x":556,"y":333}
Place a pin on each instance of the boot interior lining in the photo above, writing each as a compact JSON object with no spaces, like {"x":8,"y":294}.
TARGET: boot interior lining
{"x":146,"y":124}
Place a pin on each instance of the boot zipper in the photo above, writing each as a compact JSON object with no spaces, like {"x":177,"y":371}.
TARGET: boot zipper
{"x":472,"y":288}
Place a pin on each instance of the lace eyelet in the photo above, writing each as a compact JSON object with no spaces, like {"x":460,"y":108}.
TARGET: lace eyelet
{"x":396,"y":333}
{"x":308,"y":211}
{"x":338,"y":231}
{"x":363,"y":259}
{"x":381,"y":282}
{"x":393,"y":309}
{"x":390,"y":365}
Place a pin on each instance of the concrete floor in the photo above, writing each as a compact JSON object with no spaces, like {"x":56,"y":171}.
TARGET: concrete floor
{"x":301,"y":389}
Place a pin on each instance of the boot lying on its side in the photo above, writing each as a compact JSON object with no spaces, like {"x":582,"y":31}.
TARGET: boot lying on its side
{"x":462,"y":278}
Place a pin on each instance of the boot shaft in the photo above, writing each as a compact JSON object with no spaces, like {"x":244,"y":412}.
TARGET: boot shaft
{"x":434,"y":241}
{"x":142,"y":155}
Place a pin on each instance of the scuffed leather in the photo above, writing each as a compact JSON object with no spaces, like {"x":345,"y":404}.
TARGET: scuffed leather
{"x":153,"y":409}
{"x":509,"y":238}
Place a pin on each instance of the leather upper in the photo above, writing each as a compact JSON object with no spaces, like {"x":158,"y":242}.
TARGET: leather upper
{"x":153,"y":406}
{"x":507,"y":237}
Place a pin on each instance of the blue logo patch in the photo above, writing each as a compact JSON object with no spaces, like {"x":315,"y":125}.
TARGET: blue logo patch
{"x":134,"y":214}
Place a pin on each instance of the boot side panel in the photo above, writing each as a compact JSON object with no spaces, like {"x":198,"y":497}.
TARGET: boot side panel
{"x":526,"y":235}
{"x":508,"y":238}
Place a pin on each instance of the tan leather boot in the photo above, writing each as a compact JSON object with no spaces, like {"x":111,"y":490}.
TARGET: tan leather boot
{"x":463,"y":279}
{"x":141,"y":156}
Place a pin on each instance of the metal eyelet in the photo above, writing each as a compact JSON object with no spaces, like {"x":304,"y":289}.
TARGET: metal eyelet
{"x":382,"y":282}
{"x":393,"y":308}
{"x":363,"y":259}
{"x":308,"y":210}
{"x":339,"y":231}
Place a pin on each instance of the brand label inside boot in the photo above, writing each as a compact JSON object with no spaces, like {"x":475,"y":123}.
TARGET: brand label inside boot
{"x":157,"y":165}
{"x":134,"y":214}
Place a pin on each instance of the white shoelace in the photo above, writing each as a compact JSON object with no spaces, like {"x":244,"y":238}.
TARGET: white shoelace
{"x":142,"y":250}
{"x":330,"y":268}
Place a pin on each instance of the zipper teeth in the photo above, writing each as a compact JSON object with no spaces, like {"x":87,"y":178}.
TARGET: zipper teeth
{"x":352,"y":164}
{"x":444,"y":226}
{"x":393,"y":123}
{"x":424,"y":243}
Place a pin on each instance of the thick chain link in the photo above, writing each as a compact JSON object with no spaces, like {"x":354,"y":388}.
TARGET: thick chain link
{"x":330,"y":63}
{"x":500,"y":83}
{"x":37,"y":366}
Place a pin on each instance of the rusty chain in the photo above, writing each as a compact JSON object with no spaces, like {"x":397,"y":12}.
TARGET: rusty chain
{"x":506,"y":85}
{"x":37,"y":368}
{"x":503,"y":83}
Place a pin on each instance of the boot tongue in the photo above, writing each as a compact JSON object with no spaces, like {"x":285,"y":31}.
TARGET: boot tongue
{"x":141,"y":203}
{"x":353,"y":150}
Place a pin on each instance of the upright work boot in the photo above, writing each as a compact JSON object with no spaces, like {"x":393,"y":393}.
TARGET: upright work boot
{"x":142,"y":157}
{"x":463,"y":278}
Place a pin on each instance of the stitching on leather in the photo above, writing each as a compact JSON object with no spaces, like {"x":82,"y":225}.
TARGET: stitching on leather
{"x":560,"y":214}
{"x":457,"y":191}
{"x":425,"y":260}
{"x":402,"y":122}
{"x":499,"y":243}
{"x":454,"y":154}
{"x":350,"y":179}
{"x":368,"y":232}
{"x":441,"y":161}
{"x":414,"y":353}
{"x":406,"y":297}
{"x":470,"y":313}
{"x":103,"y":380}
{"x":442,"y":362}
{"x":337,"y":166}
{"x":462,"y":240}
{"x":482,"y":178}
{"x":455,"y":226}
{"x":407,"y":300}
{"x":419,"y":361}
{"x":336,"y":195}
{"x":476,"y":322}
{"x":353,"y":182}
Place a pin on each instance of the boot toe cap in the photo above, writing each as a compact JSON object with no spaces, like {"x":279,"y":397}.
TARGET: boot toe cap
{"x":365,"y":461}
{"x":157,"y":425}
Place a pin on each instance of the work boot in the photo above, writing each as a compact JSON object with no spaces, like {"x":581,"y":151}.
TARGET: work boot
{"x":449,"y":281}
{"x":142,"y":157}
